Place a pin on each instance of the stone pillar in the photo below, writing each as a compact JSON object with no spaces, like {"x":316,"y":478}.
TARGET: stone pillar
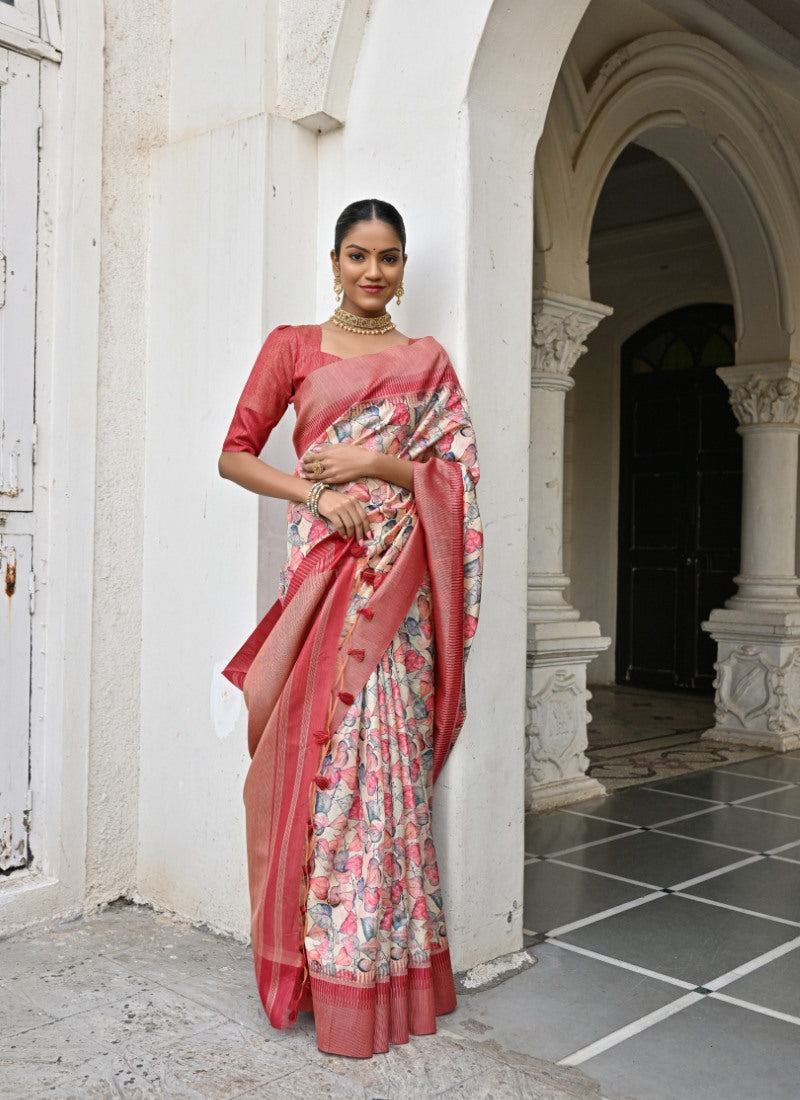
{"x":560,"y":646}
{"x":758,"y":631}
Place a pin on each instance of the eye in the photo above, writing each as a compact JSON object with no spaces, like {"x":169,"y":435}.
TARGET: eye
{"x":390,"y":259}
{"x":355,"y":256}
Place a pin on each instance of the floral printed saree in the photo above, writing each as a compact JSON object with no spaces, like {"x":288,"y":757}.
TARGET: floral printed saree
{"x":354,"y":684}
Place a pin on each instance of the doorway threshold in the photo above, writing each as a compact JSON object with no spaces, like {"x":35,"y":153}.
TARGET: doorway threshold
{"x":641,"y":736}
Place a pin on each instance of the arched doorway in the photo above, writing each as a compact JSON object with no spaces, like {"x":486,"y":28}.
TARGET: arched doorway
{"x":685,"y":100}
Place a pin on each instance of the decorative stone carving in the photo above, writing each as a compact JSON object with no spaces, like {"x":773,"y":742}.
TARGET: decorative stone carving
{"x":743,"y":687}
{"x":762,"y":401}
{"x":758,"y":696}
{"x":560,"y":325}
{"x":555,"y":736}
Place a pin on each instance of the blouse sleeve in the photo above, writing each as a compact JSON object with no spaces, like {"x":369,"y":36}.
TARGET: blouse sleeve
{"x":266,"y":395}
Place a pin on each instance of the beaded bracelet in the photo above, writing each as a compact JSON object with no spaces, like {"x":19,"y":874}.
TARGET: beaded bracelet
{"x":312,"y":500}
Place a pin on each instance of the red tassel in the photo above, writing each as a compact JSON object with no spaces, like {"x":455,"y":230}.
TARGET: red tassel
{"x":359,"y":654}
{"x":367,"y":612}
{"x":368,"y":575}
{"x":322,"y":737}
{"x":322,"y":782}
{"x":356,"y":550}
{"x":347,"y":697}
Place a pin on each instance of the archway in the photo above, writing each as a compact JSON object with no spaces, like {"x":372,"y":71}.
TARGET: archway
{"x":686,"y":100}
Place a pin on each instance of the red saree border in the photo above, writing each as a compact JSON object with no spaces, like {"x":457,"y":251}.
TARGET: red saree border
{"x":332,"y":389}
{"x":358,"y":1019}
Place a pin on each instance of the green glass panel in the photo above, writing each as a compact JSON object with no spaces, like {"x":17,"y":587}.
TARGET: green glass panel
{"x":678,"y":356}
{"x":717,"y":352}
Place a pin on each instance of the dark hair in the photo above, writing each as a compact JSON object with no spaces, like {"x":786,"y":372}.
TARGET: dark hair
{"x":368,"y":210}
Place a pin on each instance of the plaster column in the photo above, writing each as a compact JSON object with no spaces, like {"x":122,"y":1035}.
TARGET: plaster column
{"x":560,"y":646}
{"x":758,"y":631}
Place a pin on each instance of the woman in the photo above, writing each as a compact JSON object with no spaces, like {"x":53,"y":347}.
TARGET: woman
{"x":354,"y":680}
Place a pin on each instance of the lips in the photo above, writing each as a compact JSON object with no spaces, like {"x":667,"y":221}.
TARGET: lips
{"x":372,"y":289}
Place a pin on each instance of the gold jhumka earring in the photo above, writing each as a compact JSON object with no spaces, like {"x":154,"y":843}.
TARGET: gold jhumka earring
{"x":399,"y":293}
{"x":337,"y":287}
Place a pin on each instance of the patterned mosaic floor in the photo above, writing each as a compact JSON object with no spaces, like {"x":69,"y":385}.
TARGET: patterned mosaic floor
{"x":638,"y":736}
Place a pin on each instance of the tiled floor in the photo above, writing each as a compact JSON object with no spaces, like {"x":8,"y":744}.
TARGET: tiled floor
{"x":666,"y":921}
{"x":666,"y":924}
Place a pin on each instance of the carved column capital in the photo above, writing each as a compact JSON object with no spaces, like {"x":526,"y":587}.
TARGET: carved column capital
{"x":559,"y":327}
{"x":764,"y":394}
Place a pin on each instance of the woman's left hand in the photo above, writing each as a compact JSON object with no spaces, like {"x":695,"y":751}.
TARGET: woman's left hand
{"x":337,"y":464}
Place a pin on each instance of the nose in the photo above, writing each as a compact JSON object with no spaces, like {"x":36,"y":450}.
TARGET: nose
{"x":373,"y":269}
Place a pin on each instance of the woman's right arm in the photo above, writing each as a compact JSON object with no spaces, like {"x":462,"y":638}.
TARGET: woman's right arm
{"x":345,"y":515}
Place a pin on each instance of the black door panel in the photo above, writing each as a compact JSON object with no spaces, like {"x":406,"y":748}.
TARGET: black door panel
{"x":680,"y":497}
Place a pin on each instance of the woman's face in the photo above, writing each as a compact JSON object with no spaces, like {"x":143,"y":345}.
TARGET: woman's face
{"x":370,"y":265}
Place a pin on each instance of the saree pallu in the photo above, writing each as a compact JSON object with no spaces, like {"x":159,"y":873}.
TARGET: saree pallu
{"x":354,"y":684}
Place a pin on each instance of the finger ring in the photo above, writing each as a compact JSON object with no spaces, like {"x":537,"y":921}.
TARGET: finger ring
{"x":317,"y":468}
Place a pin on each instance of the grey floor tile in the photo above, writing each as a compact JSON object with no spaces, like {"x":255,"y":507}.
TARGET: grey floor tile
{"x":639,"y":807}
{"x":221,"y":1061}
{"x":146,"y":1021}
{"x":562,"y":1004}
{"x":509,"y":1083}
{"x":775,"y":766}
{"x":427,"y":1062}
{"x":310,"y":1082}
{"x":769,"y":886}
{"x":552,"y":832}
{"x":718,"y":786}
{"x":791,"y":854}
{"x":776,"y":985}
{"x":76,"y":986}
{"x":740,"y":828}
{"x":654,"y":858}
{"x":709,"y":1051}
{"x":17,"y":1013}
{"x":557,"y":895}
{"x":779,"y":802}
{"x":37,"y":1061}
{"x":682,"y":938}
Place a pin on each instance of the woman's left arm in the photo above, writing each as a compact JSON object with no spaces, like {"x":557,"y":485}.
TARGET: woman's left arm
{"x":343,"y":462}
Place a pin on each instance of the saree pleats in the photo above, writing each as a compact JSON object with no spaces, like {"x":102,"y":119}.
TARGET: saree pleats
{"x":354,"y":684}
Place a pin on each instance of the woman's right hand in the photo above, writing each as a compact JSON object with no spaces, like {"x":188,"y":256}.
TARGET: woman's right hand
{"x":344,"y":514}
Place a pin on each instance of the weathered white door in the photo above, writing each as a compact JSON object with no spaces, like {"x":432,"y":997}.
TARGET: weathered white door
{"x":22,"y":15}
{"x":19,"y":172}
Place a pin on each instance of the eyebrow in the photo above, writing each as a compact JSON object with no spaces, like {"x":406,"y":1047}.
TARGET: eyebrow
{"x":361,"y":248}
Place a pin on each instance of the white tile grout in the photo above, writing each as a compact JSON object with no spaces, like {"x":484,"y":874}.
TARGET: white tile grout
{"x":596,"y":817}
{"x":714,"y":874}
{"x":680,"y":794}
{"x":623,"y":965}
{"x":783,"y":848}
{"x":774,"y":813}
{"x":635,"y":1028}
{"x":752,"y":1007}
{"x":603,"y":874}
{"x":759,"y":778}
{"x":735,"y":908}
{"x":623,"y":908}
{"x":762,"y":794}
{"x":594,"y":843}
{"x":702,"y":840}
{"x":754,"y":964}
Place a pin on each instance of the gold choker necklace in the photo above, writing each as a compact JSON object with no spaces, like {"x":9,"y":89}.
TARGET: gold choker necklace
{"x":365,"y":326}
